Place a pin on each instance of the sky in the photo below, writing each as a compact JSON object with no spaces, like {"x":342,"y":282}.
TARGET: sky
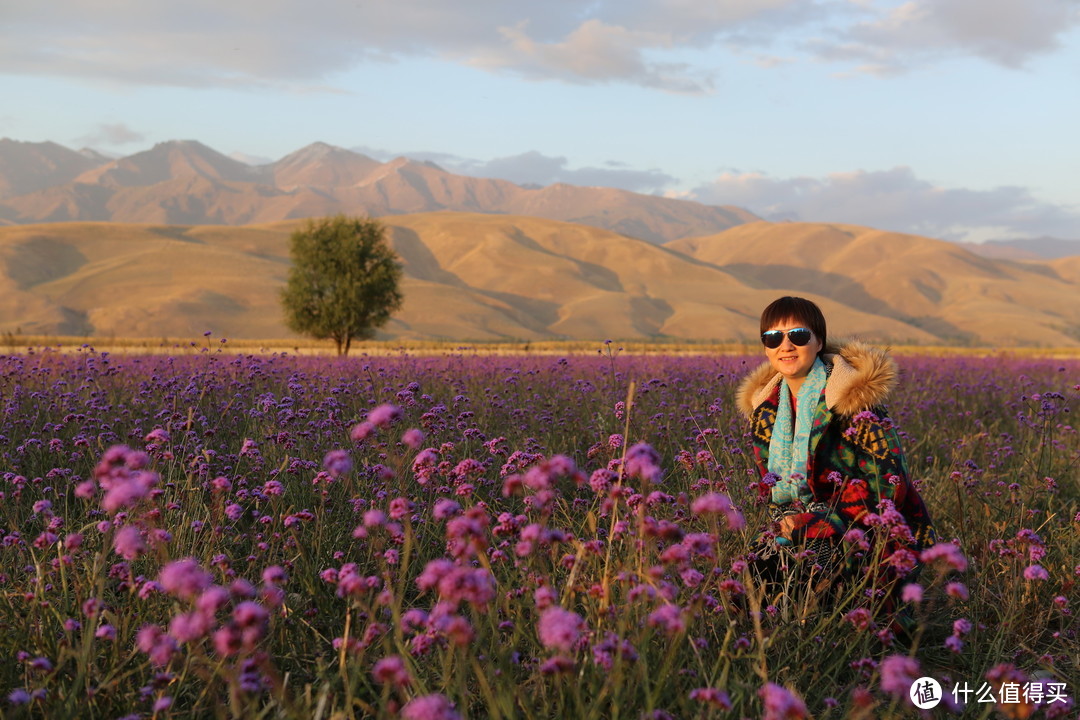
{"x":954,"y":119}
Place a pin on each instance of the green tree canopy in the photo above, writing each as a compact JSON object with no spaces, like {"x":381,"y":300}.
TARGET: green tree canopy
{"x":344,"y":280}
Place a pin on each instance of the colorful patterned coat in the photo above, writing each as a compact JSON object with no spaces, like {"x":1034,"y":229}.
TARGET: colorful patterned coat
{"x":855,"y":457}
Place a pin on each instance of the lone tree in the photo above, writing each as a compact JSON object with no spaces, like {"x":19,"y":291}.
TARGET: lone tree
{"x":344,"y":280}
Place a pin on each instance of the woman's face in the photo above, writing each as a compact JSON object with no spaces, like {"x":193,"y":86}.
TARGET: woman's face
{"x":791,"y":360}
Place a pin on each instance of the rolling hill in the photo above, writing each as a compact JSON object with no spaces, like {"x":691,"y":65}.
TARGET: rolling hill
{"x":472,"y":276}
{"x":933,"y":285}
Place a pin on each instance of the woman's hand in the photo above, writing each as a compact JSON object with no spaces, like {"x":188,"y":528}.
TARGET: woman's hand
{"x":788,"y":523}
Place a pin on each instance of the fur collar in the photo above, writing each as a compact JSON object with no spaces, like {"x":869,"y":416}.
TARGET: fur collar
{"x":862,"y":377}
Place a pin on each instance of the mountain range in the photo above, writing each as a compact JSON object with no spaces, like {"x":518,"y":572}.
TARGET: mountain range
{"x":476,"y":277}
{"x":181,"y":239}
{"x":188,"y":183}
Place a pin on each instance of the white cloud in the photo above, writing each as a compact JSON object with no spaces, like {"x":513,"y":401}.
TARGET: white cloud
{"x":110,"y":135}
{"x":292,"y":43}
{"x":1008,"y":33}
{"x":303,"y":44}
{"x":894,"y":200}
{"x":535,"y":168}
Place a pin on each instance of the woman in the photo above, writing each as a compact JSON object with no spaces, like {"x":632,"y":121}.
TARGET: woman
{"x":822,"y":434}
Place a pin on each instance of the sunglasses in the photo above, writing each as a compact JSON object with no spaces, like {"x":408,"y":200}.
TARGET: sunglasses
{"x":772,"y":339}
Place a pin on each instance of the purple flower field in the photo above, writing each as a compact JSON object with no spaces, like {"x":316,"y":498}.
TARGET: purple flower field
{"x":267,"y":536}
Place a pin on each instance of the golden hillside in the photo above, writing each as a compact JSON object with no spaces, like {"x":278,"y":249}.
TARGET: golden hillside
{"x":475,"y":276}
{"x":931,"y":284}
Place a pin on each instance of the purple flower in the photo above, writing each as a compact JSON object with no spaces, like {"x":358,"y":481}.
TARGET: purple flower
{"x":545,"y":596}
{"x":559,"y":629}
{"x":184,"y":578}
{"x":412,"y":438}
{"x":18,"y":696}
{"x":912,"y":593}
{"x":445,"y":508}
{"x":385,"y":415}
{"x":212,"y":599}
{"x":668,"y":618}
{"x":128,"y":542}
{"x":898,"y":672}
{"x":124,"y":493}
{"x":188,"y":627}
{"x":712,"y":696}
{"x":718,"y":503}
{"x":337,"y":463}
{"x":781,"y":704}
{"x":275,"y":575}
{"x":429,"y":707}
{"x":956,"y":590}
{"x":362,"y":431}
{"x":945,"y":555}
{"x":391,"y":670}
{"x":1036,"y":572}
{"x":557,"y":665}
{"x":643,"y":462}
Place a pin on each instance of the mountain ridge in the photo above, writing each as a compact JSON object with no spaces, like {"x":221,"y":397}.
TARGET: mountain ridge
{"x":186,"y":182}
{"x":486,"y":277}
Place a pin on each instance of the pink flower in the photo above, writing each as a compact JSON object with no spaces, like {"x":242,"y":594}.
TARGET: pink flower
{"x":412,"y":438}
{"x":212,"y":599}
{"x":643,"y":462}
{"x":1036,"y":572}
{"x":898,"y":672}
{"x":711,"y":696}
{"x":445,"y":508}
{"x":275,"y":575}
{"x":429,"y":707}
{"x":433,"y":572}
{"x":718,"y":503}
{"x":545,"y":596}
{"x":560,"y":629}
{"x":126,"y":492}
{"x":384,"y":415}
{"x":860,"y":618}
{"x":184,"y":578}
{"x":945,"y":555}
{"x":362,"y":431}
{"x":337,"y":463}
{"x":391,"y":670}
{"x":187,"y":627}
{"x":668,"y":618}
{"x":956,"y":590}
{"x":557,"y":665}
{"x":474,"y":586}
{"x":781,"y":703}
{"x":912,"y":593}
{"x":129,"y":542}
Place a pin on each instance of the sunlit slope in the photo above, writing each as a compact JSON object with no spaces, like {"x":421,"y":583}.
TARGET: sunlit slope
{"x":489,"y":277}
{"x":933,"y":284}
{"x":580,"y":281}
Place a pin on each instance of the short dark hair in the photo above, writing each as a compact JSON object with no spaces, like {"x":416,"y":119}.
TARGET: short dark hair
{"x":798,"y":309}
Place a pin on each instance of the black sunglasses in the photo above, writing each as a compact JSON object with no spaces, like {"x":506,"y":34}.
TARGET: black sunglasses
{"x":798,"y":336}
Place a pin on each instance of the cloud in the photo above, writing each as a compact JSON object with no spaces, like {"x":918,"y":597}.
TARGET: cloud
{"x":594,"y":52}
{"x":535,"y":168}
{"x":304,"y":44}
{"x":110,"y":135}
{"x":894,"y":200}
{"x":1003,"y":32}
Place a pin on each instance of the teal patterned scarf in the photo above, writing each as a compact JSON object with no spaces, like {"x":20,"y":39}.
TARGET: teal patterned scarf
{"x":790,"y":446}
